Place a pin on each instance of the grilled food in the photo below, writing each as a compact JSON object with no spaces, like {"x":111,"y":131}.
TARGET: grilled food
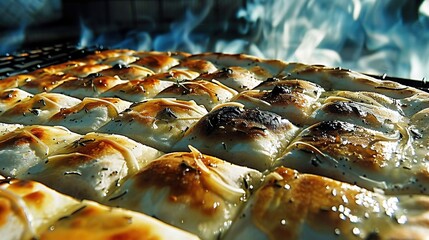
{"x":220,"y":146}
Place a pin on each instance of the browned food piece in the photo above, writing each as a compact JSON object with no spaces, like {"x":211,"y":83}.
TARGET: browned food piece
{"x":157,"y":62}
{"x":158,"y":123}
{"x":248,"y":137}
{"x":92,"y":166}
{"x":10,"y":97}
{"x":24,"y":147}
{"x":138,"y":90}
{"x":208,"y":94}
{"x":290,"y":205}
{"x":294,"y":100}
{"x":38,"y":108}
{"x":358,"y":155}
{"x":90,"y":86}
{"x":89,"y":115}
{"x":203,"y":192}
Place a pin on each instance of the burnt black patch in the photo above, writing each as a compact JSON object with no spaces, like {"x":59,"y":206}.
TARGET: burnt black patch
{"x":276,"y":93}
{"x":345,"y":108}
{"x":277,"y":90}
{"x":334,"y":126}
{"x":241,"y":120}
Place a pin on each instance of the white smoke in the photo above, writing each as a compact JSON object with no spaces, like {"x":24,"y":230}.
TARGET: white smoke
{"x":364,"y":35}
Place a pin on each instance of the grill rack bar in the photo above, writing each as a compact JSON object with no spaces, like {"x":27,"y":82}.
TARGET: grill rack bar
{"x":30,"y":60}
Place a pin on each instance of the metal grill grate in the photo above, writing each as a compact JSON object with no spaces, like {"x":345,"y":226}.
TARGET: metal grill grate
{"x":27,"y":61}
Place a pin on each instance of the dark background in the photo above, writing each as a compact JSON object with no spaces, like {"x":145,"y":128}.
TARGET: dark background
{"x":45,"y":22}
{"x":373,"y":36}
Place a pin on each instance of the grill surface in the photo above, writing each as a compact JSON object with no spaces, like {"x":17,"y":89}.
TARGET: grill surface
{"x":30,"y":60}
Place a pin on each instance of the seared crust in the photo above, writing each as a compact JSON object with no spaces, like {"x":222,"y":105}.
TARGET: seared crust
{"x":93,"y":166}
{"x":263,"y":114}
{"x":158,"y":63}
{"x":344,"y":79}
{"x":196,"y":65}
{"x":237,"y":78}
{"x":247,"y":137}
{"x":94,"y":221}
{"x":158,"y":123}
{"x":366,"y":115}
{"x":208,"y":94}
{"x":24,"y":147}
{"x":304,"y":206}
{"x":90,"y":86}
{"x":137,"y":90}
{"x":46,"y":83}
{"x":359,"y":156}
{"x":37,"y":109}
{"x":30,"y":210}
{"x":89,"y":115}
{"x":85,"y":70}
{"x":294,"y":100}
{"x":12,"y":96}
{"x":205,"y":192}
{"x":126,"y":72}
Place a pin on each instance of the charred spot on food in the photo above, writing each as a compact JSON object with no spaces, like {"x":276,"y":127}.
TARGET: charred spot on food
{"x":277,"y":90}
{"x":277,"y":94}
{"x":88,"y":82}
{"x":339,"y":72}
{"x":346,"y":108}
{"x":166,"y":115}
{"x":241,"y":120}
{"x":335,"y":127}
